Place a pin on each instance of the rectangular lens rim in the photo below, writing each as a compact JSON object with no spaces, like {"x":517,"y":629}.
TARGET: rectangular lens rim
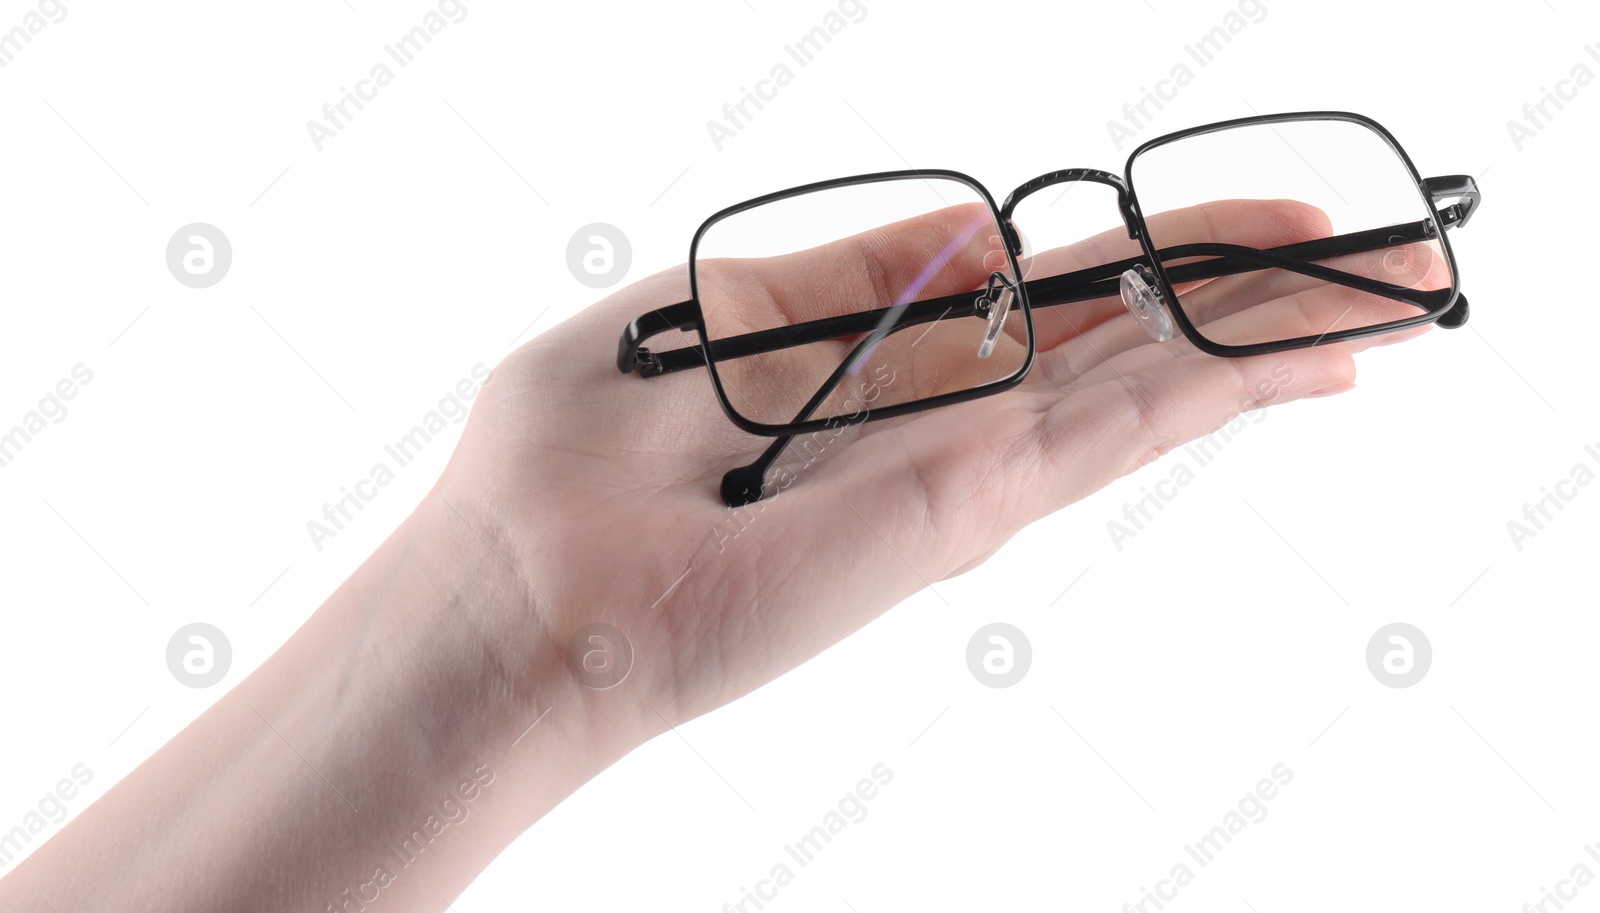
{"x":791,"y":429}
{"x":1238,"y":351}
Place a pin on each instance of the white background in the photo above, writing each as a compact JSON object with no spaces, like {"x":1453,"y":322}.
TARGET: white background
{"x":1227,"y":637}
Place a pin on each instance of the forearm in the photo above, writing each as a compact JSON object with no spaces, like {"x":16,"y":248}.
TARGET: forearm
{"x":384,"y":749}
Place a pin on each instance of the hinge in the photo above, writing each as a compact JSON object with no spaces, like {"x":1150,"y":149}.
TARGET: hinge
{"x":646,"y":362}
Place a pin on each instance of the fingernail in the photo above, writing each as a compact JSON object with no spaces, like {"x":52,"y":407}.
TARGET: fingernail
{"x":994,"y":256}
{"x":1332,"y":389}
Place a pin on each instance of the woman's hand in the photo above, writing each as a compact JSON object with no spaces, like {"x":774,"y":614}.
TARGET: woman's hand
{"x":600,"y":490}
{"x":452,"y":692}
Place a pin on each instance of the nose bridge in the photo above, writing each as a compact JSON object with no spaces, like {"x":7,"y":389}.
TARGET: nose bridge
{"x":1067,"y":175}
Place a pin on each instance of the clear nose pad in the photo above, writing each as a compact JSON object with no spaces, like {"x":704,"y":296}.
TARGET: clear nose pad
{"x":1146,"y":303}
{"x":997,"y":298}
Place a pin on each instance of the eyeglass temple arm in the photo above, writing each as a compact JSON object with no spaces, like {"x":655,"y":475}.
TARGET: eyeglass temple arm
{"x":1083,"y":285}
{"x":1462,"y":188}
{"x":747,"y":484}
{"x":685,"y":315}
{"x":744,"y":484}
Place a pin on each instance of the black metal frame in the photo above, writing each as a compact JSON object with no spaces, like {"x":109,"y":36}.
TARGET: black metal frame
{"x":1453,"y":199}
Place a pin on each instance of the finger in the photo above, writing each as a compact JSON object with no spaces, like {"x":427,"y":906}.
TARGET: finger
{"x":1252,"y":223}
{"x":1315,"y":312}
{"x":927,"y":256}
{"x":1111,"y":428}
{"x":931,"y":255}
{"x":1064,"y":321}
{"x":1417,"y":265}
{"x":1413,"y":266}
{"x":1310,"y":313}
{"x":1143,"y":357}
{"x":952,"y":485}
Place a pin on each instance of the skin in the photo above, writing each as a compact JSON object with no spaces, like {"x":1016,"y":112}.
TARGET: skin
{"x":580,"y":495}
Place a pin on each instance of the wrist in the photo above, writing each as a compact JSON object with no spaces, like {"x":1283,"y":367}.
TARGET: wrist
{"x":388,"y":748}
{"x":488,"y":654}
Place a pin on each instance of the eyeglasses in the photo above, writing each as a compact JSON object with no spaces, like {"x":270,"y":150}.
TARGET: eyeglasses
{"x":880,"y":295}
